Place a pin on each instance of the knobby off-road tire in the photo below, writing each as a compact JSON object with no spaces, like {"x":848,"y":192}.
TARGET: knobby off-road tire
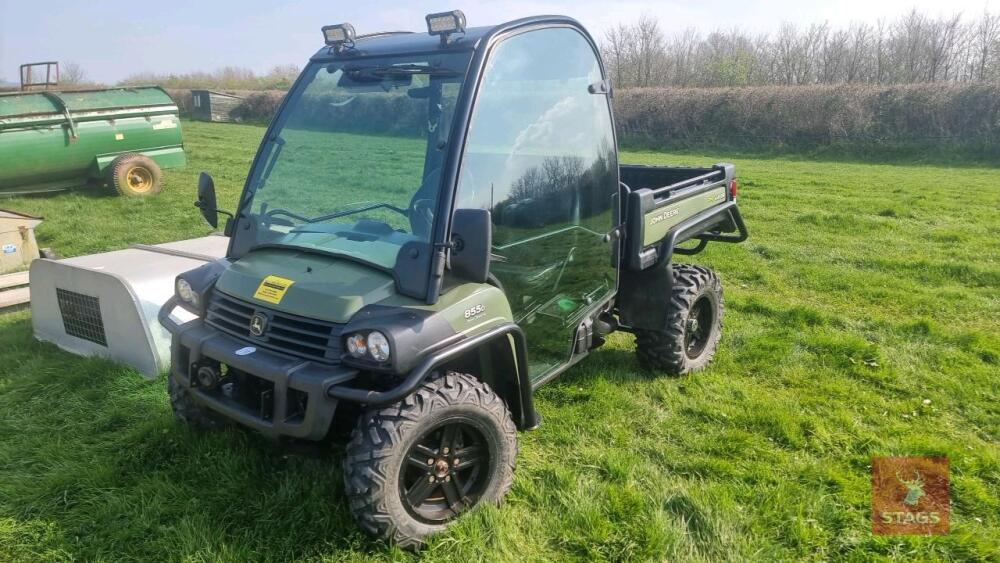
{"x":135,"y":175}
{"x":185,"y":409}
{"x":452,"y":442}
{"x":693,"y":325}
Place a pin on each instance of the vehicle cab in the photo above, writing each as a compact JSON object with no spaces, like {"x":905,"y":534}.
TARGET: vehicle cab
{"x":346,"y":219}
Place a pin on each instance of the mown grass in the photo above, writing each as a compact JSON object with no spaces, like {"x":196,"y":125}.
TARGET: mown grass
{"x":865,"y":291}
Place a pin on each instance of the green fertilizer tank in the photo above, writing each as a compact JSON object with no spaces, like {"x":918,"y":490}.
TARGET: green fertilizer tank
{"x":59,"y":140}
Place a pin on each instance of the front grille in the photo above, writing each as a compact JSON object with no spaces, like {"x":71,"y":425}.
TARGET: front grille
{"x":81,"y":316}
{"x":284,"y":333}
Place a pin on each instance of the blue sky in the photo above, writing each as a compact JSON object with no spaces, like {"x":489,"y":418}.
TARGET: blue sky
{"x":112,"y":39}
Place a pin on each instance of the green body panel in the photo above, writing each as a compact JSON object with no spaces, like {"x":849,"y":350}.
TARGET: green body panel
{"x":18,"y":105}
{"x":660,"y":221}
{"x":53,"y":140}
{"x":333,"y":289}
{"x":169,"y":157}
{"x":324,"y":287}
{"x":470,"y":308}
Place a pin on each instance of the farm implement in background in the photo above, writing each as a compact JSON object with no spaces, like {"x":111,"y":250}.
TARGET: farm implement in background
{"x":14,"y":290}
{"x":121,"y":137}
{"x":106,"y":304}
{"x":18,"y":249}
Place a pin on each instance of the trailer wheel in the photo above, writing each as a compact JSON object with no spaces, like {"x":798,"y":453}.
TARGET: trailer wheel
{"x":135,"y":175}
{"x":693,"y":324}
{"x":412,"y":467}
{"x":186,"y":411}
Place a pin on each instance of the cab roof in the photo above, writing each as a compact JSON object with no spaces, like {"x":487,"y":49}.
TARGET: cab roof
{"x":396,"y":42}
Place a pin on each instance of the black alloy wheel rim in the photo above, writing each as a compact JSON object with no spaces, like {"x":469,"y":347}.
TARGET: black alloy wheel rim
{"x":699,"y":327}
{"x":445,"y":472}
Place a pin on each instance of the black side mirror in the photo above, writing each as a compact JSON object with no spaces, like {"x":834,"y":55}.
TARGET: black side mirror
{"x":471,"y":239}
{"x":206,"y":199}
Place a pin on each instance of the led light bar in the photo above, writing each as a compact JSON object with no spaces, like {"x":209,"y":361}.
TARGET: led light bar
{"x":340,"y":34}
{"x":446,"y":23}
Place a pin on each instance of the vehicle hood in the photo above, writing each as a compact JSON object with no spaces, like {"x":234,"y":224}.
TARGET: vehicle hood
{"x":305,"y":284}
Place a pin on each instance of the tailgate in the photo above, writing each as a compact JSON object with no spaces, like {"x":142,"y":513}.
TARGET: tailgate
{"x":697,"y":207}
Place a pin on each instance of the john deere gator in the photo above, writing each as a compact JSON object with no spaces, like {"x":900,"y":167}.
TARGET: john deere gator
{"x":435,"y":225}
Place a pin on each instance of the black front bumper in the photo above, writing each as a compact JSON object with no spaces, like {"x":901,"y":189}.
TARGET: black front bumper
{"x":195,"y":344}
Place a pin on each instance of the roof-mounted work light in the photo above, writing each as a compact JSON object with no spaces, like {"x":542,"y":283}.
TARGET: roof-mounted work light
{"x":338,"y":36}
{"x":446,"y":23}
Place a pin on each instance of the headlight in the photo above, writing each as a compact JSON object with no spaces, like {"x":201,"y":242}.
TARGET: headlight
{"x":187,"y":293}
{"x":378,"y":346}
{"x":356,"y":345}
{"x":369,"y":345}
{"x":193,"y":289}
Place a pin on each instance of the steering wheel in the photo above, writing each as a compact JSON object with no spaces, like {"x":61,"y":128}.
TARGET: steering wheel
{"x":422,"y":209}
{"x":271,"y":217}
{"x":421,"y":216}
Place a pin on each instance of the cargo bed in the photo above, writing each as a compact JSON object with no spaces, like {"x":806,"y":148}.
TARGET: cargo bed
{"x":665,"y":206}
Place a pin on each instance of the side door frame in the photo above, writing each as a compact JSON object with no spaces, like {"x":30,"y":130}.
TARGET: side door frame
{"x":462,"y":121}
{"x":461,"y":125}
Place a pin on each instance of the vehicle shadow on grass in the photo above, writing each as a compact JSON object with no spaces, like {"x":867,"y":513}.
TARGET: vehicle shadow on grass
{"x":90,"y":191}
{"x":92,"y":455}
{"x":607,"y":365}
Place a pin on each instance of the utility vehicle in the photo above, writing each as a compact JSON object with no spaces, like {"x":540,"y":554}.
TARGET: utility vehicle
{"x":434,"y":226}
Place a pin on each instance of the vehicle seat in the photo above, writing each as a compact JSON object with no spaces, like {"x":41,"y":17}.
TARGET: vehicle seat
{"x":424,"y":204}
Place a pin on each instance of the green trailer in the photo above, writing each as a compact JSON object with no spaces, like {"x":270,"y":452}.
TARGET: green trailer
{"x":59,"y":140}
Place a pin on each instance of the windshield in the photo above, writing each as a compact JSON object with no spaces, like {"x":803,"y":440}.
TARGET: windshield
{"x":352,"y":167}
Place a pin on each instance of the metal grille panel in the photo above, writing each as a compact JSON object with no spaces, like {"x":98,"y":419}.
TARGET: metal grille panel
{"x":81,"y":316}
{"x":288,"y":334}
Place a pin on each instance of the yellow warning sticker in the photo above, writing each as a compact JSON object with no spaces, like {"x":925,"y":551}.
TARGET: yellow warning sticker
{"x":273,"y":289}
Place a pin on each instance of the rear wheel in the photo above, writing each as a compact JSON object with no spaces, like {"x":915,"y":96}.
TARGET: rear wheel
{"x":135,"y":175}
{"x":693,"y":326}
{"x":412,"y":467}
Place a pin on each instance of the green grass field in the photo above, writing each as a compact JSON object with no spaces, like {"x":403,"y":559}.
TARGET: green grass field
{"x":863,"y":319}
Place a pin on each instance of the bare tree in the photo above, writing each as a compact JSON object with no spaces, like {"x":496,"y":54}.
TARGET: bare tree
{"x":71,"y":74}
{"x":614,"y":52}
{"x":681,"y":58}
{"x":912,"y":48}
{"x":831,"y":55}
{"x":986,"y":45}
{"x":636,"y":53}
{"x":649,"y":50}
{"x":788,"y":54}
{"x":858,"y":53}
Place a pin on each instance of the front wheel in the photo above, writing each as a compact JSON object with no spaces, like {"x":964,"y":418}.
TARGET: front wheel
{"x":693,"y":325}
{"x":412,"y":467}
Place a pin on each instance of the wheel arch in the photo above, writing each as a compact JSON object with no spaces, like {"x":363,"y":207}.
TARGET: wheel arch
{"x":501,"y":363}
{"x":478,"y":356}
